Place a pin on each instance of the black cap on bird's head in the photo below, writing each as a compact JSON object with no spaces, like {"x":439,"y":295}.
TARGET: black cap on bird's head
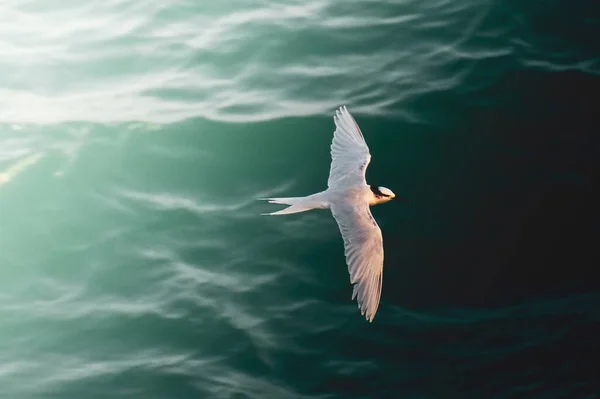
{"x":385,"y":193}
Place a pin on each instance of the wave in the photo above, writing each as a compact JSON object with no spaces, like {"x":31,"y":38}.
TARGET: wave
{"x":250,"y":63}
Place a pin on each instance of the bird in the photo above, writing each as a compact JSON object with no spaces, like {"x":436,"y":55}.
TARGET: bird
{"x":349,"y":198}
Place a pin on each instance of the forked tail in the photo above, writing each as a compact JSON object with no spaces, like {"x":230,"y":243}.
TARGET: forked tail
{"x":298,"y":204}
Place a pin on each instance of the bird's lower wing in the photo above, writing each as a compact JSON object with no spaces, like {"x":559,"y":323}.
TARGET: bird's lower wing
{"x":363,"y":247}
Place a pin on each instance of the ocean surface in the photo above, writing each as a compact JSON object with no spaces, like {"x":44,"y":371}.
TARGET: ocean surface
{"x":136,"y":138}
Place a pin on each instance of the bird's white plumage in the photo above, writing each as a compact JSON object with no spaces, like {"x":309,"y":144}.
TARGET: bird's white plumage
{"x":363,"y":247}
{"x":349,"y":198}
{"x":363,"y":243}
{"x":349,"y":152}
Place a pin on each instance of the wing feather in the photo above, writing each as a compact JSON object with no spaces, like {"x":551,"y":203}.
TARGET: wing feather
{"x":363,"y":247}
{"x":350,"y":154}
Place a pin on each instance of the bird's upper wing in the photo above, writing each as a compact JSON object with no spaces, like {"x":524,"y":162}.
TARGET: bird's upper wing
{"x":349,"y":152}
{"x":363,"y":247}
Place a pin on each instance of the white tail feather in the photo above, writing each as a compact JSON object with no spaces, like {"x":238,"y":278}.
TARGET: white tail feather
{"x":297,"y":204}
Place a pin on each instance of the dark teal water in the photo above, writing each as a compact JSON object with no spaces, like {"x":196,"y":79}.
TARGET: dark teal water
{"x":136,"y":137}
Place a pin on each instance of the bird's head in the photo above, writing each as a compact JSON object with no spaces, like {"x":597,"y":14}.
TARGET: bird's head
{"x":382,"y":194}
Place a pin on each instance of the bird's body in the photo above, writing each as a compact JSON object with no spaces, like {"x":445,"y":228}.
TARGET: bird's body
{"x":323,"y":200}
{"x":349,"y":197}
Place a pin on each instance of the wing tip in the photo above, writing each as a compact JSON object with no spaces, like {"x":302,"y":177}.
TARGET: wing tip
{"x":341,"y":110}
{"x":367,"y":308}
{"x":370,"y":315}
{"x":343,"y":119}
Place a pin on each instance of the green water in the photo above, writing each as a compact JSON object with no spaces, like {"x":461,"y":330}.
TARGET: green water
{"x":136,"y":138}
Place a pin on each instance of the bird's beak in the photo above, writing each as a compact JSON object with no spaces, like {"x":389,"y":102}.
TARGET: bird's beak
{"x":399,"y":198}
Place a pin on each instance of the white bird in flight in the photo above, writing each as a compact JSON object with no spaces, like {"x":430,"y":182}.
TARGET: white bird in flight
{"x":349,"y":196}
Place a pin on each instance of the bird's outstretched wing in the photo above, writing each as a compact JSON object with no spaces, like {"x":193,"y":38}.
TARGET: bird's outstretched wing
{"x":349,"y":152}
{"x":363,"y":247}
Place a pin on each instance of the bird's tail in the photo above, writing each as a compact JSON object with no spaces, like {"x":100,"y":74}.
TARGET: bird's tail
{"x":297,"y":204}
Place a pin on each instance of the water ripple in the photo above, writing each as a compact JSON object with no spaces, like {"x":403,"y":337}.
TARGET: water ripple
{"x":132,"y":250}
{"x":242,"y":65}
